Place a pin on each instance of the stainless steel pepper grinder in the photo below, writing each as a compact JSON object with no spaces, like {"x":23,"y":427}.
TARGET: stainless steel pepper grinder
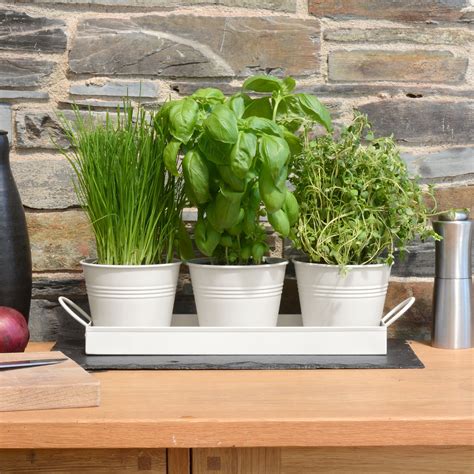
{"x":453,"y":324}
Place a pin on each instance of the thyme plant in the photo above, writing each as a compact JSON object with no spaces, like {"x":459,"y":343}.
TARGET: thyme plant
{"x":358,"y":203}
{"x":133,"y":202}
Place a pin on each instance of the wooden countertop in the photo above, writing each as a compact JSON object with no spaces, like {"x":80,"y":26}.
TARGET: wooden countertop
{"x":152,"y":409}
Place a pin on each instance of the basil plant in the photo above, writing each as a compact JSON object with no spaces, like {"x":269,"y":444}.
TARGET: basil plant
{"x":234,"y":154}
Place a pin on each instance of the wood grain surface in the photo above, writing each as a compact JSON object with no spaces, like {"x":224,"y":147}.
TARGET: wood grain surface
{"x":145,"y":409}
{"x":82,"y":461}
{"x":62,"y":385}
{"x":178,"y":461}
{"x":357,"y":460}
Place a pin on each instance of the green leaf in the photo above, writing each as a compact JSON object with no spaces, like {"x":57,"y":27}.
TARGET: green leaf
{"x":161,"y":119}
{"x":237,"y":228}
{"x":314,"y":109}
{"x":196,"y":176}
{"x":262,"y":83}
{"x":242,"y":154}
{"x":254,"y":197}
{"x":238,"y":102}
{"x":224,"y":212}
{"x":209,"y":94}
{"x":250,"y":221}
{"x":280,"y":222}
{"x":294,"y":142}
{"x":206,"y":238}
{"x":272,"y":193}
{"x":259,"y":108}
{"x":291,"y":208}
{"x":290,"y":113}
{"x":226,"y":240}
{"x":289,"y":84}
{"x":221,"y":125}
{"x":170,"y":154}
{"x":230,"y":179}
{"x":217,"y":152}
{"x":183,"y":116}
{"x":165,"y":108}
{"x":185,"y":244}
{"x":245,"y":253}
{"x":259,"y":249}
{"x":274,"y":152}
{"x":263,"y":125}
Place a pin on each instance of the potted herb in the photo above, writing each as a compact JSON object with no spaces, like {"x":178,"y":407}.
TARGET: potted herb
{"x":236,"y":154}
{"x":134,"y":205}
{"x":358,"y":205}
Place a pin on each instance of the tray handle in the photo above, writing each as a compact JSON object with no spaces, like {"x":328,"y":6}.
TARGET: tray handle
{"x":398,"y":311}
{"x":66,"y":303}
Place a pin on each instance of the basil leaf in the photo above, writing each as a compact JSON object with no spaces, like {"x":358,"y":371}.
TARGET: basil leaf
{"x":274,"y":152}
{"x":290,"y":113}
{"x":291,"y":208}
{"x":237,"y":229}
{"x":226,"y":240}
{"x":289,"y":84}
{"x":263,"y":125}
{"x":196,"y":176}
{"x":185,"y":245}
{"x":229,"y":178}
{"x":242,"y":154}
{"x":254,"y":197}
{"x":259,"y":108}
{"x":280,"y":222}
{"x":224,"y":212}
{"x":272,"y":192}
{"x":206,"y":238}
{"x":314,"y":109}
{"x":183,"y":116}
{"x":214,"y":151}
{"x":237,"y":104}
{"x":258,"y":251}
{"x":294,"y":143}
{"x":221,"y":125}
{"x":263,"y":83}
{"x":165,"y":108}
{"x":170,"y":154}
{"x":209,"y":94}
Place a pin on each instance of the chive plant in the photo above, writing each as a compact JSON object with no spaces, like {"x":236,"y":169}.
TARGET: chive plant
{"x":358,"y":204}
{"x":133,"y":203}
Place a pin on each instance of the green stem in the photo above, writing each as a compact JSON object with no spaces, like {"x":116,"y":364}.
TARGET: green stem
{"x":275,"y":108}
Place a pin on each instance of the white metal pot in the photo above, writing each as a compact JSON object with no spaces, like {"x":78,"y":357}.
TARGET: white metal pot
{"x":131,"y":295}
{"x":238,"y":295}
{"x":329,"y":297}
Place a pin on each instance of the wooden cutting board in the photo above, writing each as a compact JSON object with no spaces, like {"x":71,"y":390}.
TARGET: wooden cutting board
{"x":62,"y":385}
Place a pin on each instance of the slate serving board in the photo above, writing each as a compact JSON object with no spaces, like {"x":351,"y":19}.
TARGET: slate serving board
{"x":399,"y":356}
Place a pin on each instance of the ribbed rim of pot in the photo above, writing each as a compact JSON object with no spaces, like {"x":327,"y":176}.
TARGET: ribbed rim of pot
{"x":91,"y":262}
{"x":204,"y":262}
{"x":303,"y":260}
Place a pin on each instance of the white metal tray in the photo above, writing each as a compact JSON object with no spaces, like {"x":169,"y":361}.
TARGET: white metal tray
{"x":186,"y":338}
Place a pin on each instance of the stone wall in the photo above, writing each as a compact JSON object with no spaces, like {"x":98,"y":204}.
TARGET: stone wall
{"x":409,"y":65}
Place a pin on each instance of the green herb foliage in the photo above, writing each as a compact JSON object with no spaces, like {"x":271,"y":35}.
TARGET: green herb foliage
{"x":357,"y":202}
{"x":133,"y":201}
{"x":236,"y":153}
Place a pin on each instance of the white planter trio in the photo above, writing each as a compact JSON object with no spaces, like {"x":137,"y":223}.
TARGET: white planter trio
{"x":234,"y":295}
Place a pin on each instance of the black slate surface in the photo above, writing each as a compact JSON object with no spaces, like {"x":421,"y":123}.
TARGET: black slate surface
{"x":399,"y":356}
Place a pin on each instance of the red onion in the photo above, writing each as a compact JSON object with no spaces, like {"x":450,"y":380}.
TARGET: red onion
{"x":14,"y":333}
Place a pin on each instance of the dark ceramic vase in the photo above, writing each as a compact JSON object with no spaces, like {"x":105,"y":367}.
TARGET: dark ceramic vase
{"x":15,"y":253}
